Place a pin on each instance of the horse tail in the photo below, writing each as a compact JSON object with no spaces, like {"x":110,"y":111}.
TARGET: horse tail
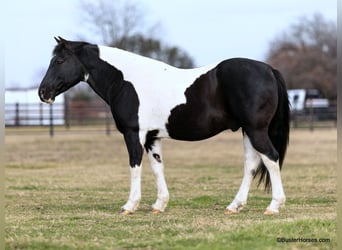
{"x":278,"y":130}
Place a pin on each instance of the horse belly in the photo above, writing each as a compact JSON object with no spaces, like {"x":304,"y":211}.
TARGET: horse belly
{"x":185,"y":123}
{"x":204,"y":114}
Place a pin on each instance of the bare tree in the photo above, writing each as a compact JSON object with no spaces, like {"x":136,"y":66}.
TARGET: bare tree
{"x":307,"y":55}
{"x":112,"y":21}
{"x":121,"y":24}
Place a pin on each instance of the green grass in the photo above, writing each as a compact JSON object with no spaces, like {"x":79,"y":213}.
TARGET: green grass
{"x":66,"y":193}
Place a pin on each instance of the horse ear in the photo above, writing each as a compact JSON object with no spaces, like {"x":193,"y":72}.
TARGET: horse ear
{"x":62,"y":41}
{"x":57,"y":40}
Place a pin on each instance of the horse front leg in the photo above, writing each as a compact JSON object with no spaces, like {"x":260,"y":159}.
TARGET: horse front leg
{"x":154,"y":153}
{"x":135,"y":152}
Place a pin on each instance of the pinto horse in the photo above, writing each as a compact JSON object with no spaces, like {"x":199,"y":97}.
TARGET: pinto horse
{"x":151,"y":100}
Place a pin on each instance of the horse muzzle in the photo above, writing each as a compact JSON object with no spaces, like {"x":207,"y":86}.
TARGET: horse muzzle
{"x":46,"y":96}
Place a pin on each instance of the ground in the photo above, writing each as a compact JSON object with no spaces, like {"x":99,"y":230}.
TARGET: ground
{"x":66,"y":192}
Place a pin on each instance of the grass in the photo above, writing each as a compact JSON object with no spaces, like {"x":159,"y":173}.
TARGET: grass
{"x":66,"y":192}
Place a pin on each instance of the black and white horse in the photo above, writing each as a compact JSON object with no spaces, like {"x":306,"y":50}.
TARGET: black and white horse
{"x":151,"y":100}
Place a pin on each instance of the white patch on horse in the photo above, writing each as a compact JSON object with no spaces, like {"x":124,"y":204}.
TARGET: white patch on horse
{"x":278,"y":195}
{"x":86,"y":77}
{"x":160,"y":87}
{"x":251,"y":161}
{"x":157,"y":166}
{"x":135,"y":193}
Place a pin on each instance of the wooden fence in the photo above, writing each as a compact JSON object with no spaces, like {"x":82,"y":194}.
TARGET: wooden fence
{"x":314,"y":118}
{"x":68,"y":114}
{"x":81,"y":114}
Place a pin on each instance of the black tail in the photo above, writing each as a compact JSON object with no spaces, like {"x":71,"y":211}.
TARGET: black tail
{"x":278,"y":130}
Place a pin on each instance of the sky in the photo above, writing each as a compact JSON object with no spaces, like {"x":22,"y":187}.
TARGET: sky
{"x":210,"y":31}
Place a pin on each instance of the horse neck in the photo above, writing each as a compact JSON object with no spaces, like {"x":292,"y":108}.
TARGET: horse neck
{"x":129,"y":63}
{"x":103,"y":78}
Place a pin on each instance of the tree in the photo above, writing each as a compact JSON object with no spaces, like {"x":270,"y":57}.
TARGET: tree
{"x":121,"y":24}
{"x":307,"y":55}
{"x":154,"y":48}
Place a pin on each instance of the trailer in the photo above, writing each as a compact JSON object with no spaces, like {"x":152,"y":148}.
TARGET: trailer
{"x":310,"y":102}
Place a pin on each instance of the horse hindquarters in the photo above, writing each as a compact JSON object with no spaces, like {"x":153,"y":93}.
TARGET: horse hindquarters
{"x":278,"y":130}
{"x":256,"y":96}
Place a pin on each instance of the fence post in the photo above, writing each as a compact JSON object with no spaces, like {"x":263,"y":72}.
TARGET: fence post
{"x":107,"y":122}
{"x":295,"y":118}
{"x":66,"y":112}
{"x":311,"y":116}
{"x":41,"y":114}
{"x":51,"y":121}
{"x":295,"y":111}
{"x":16,"y":119}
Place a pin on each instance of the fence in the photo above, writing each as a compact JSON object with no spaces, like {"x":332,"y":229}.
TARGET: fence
{"x":314,"y":118}
{"x":82,"y":114}
{"x":68,"y":114}
{"x":28,"y":114}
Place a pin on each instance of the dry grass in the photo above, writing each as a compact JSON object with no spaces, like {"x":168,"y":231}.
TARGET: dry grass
{"x":66,"y":192}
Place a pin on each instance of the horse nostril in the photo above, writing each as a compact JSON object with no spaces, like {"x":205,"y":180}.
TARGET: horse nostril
{"x":42,"y":93}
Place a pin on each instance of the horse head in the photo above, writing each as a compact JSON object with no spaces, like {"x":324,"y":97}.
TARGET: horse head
{"x":65,"y":70}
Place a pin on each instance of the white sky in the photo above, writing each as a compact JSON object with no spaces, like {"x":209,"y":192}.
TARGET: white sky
{"x":209,"y":31}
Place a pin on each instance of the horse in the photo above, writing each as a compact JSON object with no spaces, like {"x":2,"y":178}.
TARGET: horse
{"x":151,"y":100}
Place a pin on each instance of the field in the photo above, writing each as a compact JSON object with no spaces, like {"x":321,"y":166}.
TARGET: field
{"x":66,"y":193}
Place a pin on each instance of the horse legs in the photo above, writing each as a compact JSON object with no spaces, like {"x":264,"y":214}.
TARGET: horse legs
{"x":155,"y":157}
{"x":269,"y":156}
{"x":135,"y":151}
{"x":251,"y":161}
{"x":278,"y":195}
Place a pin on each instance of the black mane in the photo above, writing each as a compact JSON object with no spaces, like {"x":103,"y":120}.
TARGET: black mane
{"x":70,"y":46}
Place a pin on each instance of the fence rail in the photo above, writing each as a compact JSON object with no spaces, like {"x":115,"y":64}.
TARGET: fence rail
{"x":67,"y":114}
{"x":82,"y":115}
{"x":28,"y":114}
{"x":314,"y":118}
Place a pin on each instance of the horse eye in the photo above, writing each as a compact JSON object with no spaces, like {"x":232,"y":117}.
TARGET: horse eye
{"x":59,"y":61}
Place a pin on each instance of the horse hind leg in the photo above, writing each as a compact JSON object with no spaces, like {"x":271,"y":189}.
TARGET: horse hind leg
{"x":270,"y":158}
{"x":154,"y":153}
{"x":251,"y":161}
{"x":278,"y":195}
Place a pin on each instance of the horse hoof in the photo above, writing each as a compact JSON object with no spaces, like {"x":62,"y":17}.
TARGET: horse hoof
{"x":125,"y":212}
{"x":156,"y":211}
{"x":228,"y":211}
{"x":270,"y":212}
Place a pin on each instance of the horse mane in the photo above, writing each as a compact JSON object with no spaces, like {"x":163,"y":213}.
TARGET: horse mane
{"x":58,"y":49}
{"x":75,"y":47}
{"x":69,"y":46}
